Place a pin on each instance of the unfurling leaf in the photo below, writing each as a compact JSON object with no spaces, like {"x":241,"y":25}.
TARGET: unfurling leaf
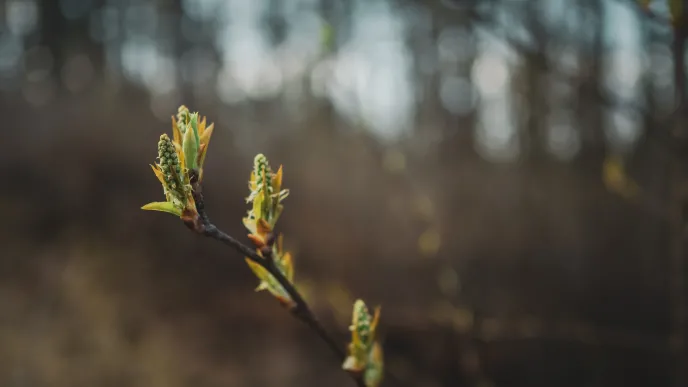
{"x":176,"y":133}
{"x":375,"y":369}
{"x":163,"y":207}
{"x":205,"y":134}
{"x":269,"y":283}
{"x":250,"y":224}
{"x":193,"y":122}
{"x":284,"y":264}
{"x":190,"y":147}
{"x":158,"y":174}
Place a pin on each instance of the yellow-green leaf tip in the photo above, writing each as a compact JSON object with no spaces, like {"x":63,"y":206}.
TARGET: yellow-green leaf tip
{"x":168,"y":207}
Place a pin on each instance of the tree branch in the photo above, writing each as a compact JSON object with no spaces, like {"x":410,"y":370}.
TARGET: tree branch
{"x":202,"y":225}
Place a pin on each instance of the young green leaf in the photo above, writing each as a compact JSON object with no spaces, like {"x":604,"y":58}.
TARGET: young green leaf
{"x":269,"y":283}
{"x":375,"y":369}
{"x":190,"y":148}
{"x":168,"y":207}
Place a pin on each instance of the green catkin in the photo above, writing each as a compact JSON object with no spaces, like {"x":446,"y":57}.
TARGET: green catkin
{"x":362,"y":324}
{"x":171,"y":170}
{"x":183,"y":118}
{"x":260,"y":168}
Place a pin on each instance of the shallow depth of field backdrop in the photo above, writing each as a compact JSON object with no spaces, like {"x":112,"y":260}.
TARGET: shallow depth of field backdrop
{"x":505,"y":177}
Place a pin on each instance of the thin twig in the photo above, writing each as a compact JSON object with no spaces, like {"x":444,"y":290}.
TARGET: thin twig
{"x":202,"y":225}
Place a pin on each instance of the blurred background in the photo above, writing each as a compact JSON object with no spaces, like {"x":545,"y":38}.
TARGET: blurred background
{"x":507,"y":178}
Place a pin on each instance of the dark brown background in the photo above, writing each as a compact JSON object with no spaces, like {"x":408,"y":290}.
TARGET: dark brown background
{"x":527,"y":271}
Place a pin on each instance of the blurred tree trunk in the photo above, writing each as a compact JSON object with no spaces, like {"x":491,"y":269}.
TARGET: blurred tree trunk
{"x":678,"y":202}
{"x":54,"y":28}
{"x":679,"y":272}
{"x":591,"y":124}
{"x":536,"y":61}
